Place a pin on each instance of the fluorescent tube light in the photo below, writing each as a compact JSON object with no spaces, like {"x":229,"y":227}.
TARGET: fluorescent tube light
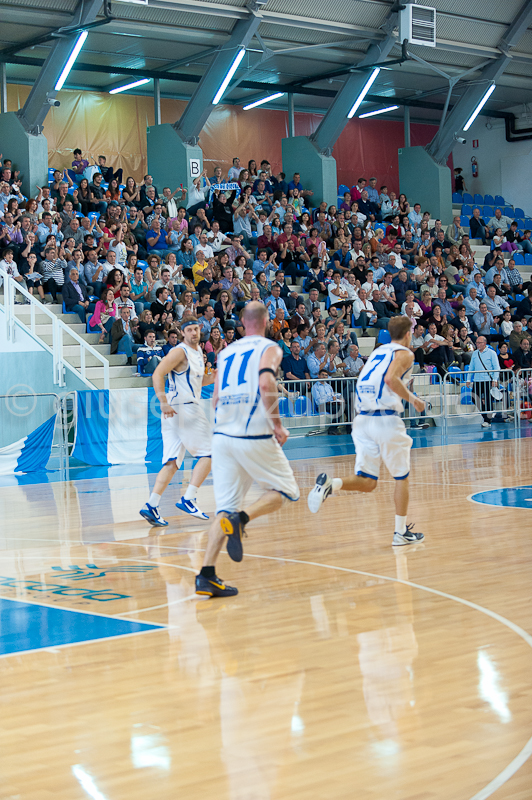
{"x":369,"y":83}
{"x":263,"y":100}
{"x":378,"y":111}
{"x":479,"y":108}
{"x":232,"y":69}
{"x":70,"y":63}
{"x":129,"y":86}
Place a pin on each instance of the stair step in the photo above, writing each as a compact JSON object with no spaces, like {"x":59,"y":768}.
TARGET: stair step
{"x":42,"y":330}
{"x":73,"y":349}
{"x":123,"y":371}
{"x":123,"y":383}
{"x":91,"y":361}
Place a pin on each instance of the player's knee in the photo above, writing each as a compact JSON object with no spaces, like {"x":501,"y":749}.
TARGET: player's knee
{"x":369,"y":485}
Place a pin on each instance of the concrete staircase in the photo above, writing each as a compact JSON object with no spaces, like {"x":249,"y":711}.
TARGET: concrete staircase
{"x":121,"y":376}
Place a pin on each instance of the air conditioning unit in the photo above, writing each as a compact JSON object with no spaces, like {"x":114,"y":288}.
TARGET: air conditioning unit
{"x":417,"y":24}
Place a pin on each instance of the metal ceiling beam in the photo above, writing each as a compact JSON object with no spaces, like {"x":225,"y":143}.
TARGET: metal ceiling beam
{"x":442,"y":144}
{"x":335,"y":120}
{"x":200,"y":105}
{"x":190,"y":59}
{"x":36,"y":107}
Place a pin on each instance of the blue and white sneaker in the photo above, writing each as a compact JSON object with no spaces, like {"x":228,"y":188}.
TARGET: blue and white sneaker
{"x":190,"y":507}
{"x":152,"y":515}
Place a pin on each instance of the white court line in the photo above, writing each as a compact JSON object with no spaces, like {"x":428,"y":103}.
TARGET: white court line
{"x":164,"y":605}
{"x":521,"y":757}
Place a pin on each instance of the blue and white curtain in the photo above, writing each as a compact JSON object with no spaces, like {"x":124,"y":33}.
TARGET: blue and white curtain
{"x":120,"y":426}
{"x":31,"y":453}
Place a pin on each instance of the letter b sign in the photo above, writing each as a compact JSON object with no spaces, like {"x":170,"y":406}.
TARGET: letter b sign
{"x":195,"y":168}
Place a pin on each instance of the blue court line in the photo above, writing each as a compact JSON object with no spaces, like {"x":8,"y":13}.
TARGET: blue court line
{"x":32,"y":626}
{"x":297,"y":448}
{"x":511,"y":497}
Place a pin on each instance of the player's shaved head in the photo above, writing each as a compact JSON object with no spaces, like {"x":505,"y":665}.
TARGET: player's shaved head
{"x":255,"y":316}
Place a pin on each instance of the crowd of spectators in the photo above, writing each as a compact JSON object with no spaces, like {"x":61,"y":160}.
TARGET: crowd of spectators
{"x":133,"y":262}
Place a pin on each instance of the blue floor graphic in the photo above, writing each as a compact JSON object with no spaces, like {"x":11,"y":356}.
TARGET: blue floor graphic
{"x":298,"y":447}
{"x":513,"y":497}
{"x":30,"y":626}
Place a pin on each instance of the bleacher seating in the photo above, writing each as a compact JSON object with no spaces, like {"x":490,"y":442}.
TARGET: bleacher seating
{"x":488,"y":199}
{"x":467,"y":210}
{"x":478,"y":198}
{"x":468,"y":198}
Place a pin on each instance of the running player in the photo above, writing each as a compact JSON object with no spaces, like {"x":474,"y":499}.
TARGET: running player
{"x":378,"y":431}
{"x":246,"y":445}
{"x":184,"y":425}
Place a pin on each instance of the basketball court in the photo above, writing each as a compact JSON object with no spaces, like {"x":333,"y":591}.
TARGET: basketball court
{"x":345,"y":668}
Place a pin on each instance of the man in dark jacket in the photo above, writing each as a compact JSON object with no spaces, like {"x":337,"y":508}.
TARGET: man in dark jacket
{"x":75,"y":296}
{"x":524,"y":309}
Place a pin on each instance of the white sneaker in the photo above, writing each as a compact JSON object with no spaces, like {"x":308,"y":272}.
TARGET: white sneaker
{"x":486,"y":425}
{"x":190,"y":507}
{"x":321,"y":491}
{"x":408,"y":537}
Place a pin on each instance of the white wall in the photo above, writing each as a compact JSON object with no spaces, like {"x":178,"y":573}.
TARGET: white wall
{"x":504,"y":167}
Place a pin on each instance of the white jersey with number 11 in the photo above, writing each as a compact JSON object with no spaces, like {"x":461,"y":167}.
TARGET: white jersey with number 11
{"x":240,"y":411}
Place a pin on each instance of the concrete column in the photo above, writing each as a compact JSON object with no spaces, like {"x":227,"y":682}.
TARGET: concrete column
{"x":406,"y":110}
{"x":3,"y":89}
{"x":434,"y":192}
{"x":169,"y":158}
{"x":29,"y":153}
{"x":157,"y":100}
{"x":291,"y":117}
{"x":318,"y":172}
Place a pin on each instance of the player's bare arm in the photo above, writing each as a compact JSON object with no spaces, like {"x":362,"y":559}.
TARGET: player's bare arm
{"x":174,"y":361}
{"x":271,"y":361}
{"x":401,"y":364}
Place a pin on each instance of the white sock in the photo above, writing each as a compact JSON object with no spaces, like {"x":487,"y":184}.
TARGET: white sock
{"x":154,"y":500}
{"x":191,"y":492}
{"x":400,"y":524}
{"x":337,"y":484}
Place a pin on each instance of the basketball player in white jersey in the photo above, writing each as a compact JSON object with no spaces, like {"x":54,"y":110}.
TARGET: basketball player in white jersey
{"x":379,"y":434}
{"x":184,"y":425}
{"x":246,"y":446}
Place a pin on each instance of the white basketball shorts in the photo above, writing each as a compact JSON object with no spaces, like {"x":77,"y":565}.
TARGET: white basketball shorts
{"x":236,"y":463}
{"x":189,"y":430}
{"x":379,"y":439}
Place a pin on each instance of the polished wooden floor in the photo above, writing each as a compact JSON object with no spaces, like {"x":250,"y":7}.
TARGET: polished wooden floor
{"x":330,"y":677}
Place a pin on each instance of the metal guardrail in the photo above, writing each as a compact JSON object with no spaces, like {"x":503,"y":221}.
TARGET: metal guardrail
{"x":523,"y":394}
{"x":59,"y":328}
{"x":466,"y":393}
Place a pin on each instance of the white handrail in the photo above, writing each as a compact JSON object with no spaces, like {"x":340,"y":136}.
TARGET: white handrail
{"x":58,"y":329}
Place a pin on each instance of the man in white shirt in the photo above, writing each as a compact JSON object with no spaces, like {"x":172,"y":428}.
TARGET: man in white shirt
{"x":348,"y":284}
{"x":203,"y":245}
{"x":123,"y":300}
{"x":234,"y":172}
{"x":353,"y":363}
{"x":216,"y":239}
{"x":363,"y":311}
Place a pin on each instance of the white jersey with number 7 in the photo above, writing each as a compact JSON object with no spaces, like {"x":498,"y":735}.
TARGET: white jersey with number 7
{"x":240,"y":411}
{"x":372,"y":393}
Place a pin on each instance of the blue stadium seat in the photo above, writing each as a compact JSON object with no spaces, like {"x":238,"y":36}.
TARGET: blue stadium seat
{"x":72,"y":175}
{"x":284,"y":407}
{"x":479,"y":199}
{"x":93,"y":215}
{"x":51,"y":171}
{"x":466,"y":397}
{"x":519,"y":297}
{"x":508,"y":211}
{"x":457,"y":198}
{"x":464,"y":221}
{"x":520,"y":222}
{"x":467,"y":210}
{"x":384,"y":337}
{"x":104,"y":185}
{"x":528,"y":259}
{"x":143,"y":264}
{"x":468,"y":198}
{"x":342,"y":189}
{"x":519,"y":212}
{"x":528,"y":222}
{"x":339,"y":201}
{"x":488,"y":199}
{"x":519,"y":259}
{"x":499,"y":200}
{"x":487,"y":211}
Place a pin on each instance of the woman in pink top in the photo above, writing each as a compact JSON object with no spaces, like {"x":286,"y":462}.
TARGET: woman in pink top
{"x":104,"y":314}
